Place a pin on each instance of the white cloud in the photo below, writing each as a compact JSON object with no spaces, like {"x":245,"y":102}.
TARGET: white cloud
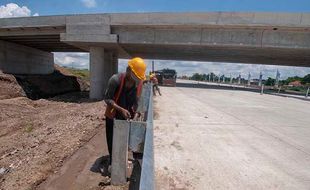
{"x":76,"y":60}
{"x":89,"y":3}
{"x":13,"y":10}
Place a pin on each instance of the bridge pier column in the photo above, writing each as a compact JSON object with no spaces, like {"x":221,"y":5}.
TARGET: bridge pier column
{"x":103,"y":64}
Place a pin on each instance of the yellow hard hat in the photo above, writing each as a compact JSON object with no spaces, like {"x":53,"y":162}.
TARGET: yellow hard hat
{"x":138,"y":67}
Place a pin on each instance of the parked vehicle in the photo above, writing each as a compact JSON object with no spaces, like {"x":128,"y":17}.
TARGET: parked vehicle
{"x":166,"y":77}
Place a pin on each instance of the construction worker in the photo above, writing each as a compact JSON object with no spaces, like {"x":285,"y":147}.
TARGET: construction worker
{"x":154,"y":80}
{"x":122,"y":96}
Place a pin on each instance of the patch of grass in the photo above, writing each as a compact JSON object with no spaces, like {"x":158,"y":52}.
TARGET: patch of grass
{"x":82,"y":73}
{"x":28,"y":128}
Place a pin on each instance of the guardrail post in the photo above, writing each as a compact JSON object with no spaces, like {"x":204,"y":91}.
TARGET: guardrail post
{"x":120,"y":152}
{"x":262,"y":89}
{"x":279,"y":90}
{"x":307,"y":94}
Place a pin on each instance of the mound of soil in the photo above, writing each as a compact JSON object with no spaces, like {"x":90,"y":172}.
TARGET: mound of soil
{"x":10,"y":87}
{"x":36,"y":87}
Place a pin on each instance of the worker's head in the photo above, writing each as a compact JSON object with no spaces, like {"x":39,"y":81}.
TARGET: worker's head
{"x":136,"y":69}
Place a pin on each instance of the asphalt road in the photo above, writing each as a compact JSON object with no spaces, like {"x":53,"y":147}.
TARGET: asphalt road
{"x":225,"y":139}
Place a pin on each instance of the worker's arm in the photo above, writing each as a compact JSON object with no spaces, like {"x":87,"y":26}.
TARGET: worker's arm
{"x":113,"y":84}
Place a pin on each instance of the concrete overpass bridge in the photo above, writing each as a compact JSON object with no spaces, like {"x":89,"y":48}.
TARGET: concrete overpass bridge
{"x":259,"y":38}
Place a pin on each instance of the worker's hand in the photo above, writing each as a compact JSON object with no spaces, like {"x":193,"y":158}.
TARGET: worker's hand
{"x":137,"y":116}
{"x":126,"y":114}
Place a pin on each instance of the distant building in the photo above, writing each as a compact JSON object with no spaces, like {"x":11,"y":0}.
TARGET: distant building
{"x":295,"y":83}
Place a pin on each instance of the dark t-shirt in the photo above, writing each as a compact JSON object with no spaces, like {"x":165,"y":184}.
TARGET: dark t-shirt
{"x":128,"y":97}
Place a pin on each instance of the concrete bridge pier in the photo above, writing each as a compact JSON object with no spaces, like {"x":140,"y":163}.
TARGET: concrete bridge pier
{"x":103,"y":64}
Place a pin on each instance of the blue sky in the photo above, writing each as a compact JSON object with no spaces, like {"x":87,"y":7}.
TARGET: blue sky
{"x":52,"y":7}
{"x":10,"y":8}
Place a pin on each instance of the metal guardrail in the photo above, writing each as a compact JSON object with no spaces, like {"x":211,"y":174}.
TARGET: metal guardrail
{"x":147,"y":181}
{"x":138,"y":137}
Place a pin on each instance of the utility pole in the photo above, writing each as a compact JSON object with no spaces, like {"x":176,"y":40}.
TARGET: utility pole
{"x":152,"y":66}
{"x":249,"y":79}
{"x":239,"y":79}
{"x":260,"y":79}
{"x":230,"y":79}
{"x":277,"y":79}
{"x":223,"y":78}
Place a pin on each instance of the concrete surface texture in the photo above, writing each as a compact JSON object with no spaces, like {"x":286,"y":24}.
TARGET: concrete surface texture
{"x":19,"y":59}
{"x":223,"y":139}
{"x":103,"y":65}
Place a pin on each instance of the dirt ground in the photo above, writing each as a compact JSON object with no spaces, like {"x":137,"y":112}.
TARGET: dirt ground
{"x":38,"y":136}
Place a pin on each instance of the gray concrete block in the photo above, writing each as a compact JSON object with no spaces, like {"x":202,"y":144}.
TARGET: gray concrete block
{"x":18,"y":59}
{"x":137,"y":35}
{"x":277,"y":19}
{"x":181,"y":36}
{"x":182,"y":18}
{"x":33,"y":21}
{"x":120,"y":149}
{"x":137,"y":136}
{"x":88,"y":28}
{"x":102,"y":67}
{"x":236,"y":18}
{"x":89,"y":38}
{"x":102,"y":18}
{"x":305,"y":19}
{"x":237,"y":37}
{"x":286,"y":39}
{"x":129,"y":18}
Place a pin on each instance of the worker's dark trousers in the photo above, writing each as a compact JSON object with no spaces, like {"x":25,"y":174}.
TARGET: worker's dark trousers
{"x":109,"y":135}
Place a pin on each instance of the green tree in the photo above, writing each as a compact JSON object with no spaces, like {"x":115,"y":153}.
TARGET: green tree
{"x":270,"y":81}
{"x":306,"y":79}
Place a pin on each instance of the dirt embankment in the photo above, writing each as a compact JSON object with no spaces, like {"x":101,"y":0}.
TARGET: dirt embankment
{"x":36,"y":136}
{"x":61,"y":81}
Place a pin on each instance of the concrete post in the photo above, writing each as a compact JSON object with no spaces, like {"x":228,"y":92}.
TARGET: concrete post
{"x":262,"y":89}
{"x":249,"y":79}
{"x":307,"y":94}
{"x":223,"y":78}
{"x":279,"y":90}
{"x":277,"y":79}
{"x":260,"y":79}
{"x":102,"y":67}
{"x":115,"y":63}
{"x":239,"y":79}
